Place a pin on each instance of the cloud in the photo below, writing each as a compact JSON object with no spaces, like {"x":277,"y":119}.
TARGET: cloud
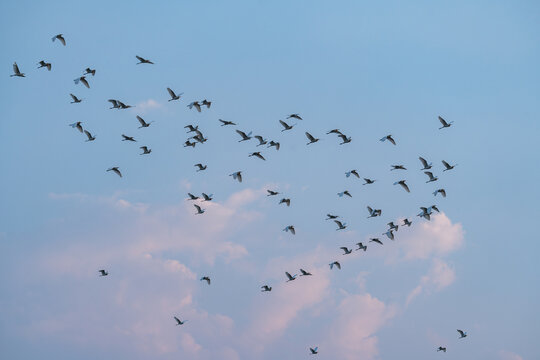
{"x":147,"y":105}
{"x":439,"y":276}
{"x":507,"y":355}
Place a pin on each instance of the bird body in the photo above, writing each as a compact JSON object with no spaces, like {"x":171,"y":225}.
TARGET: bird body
{"x":376,"y":240}
{"x":285,"y":201}
{"x":89,"y":71}
{"x":262,"y":141}
{"x":145,"y":150}
{"x":390,"y":234}
{"x":143,"y":123}
{"x":128,"y":138}
{"x":266,"y":288}
{"x":314,"y":350}
{"x":75,"y":99}
{"x":178,"y":321}
{"x":389,"y":138}
{"x":407,"y":222}
{"x":225,"y":122}
{"x":353,"y":172}
{"x":346,"y":251}
{"x":340,"y":225}
{"x":294,"y":116}
{"x":441,"y":191}
{"x":273,"y":143}
{"x":103,"y":273}
{"x":285,"y":125}
{"x":448,"y":166}
{"x":77,"y":125}
{"x":425,"y":164}
{"x":368,"y":181}
{"x":374,"y":212}
{"x":331,"y":217}
{"x":207,"y":197}
{"x":431,"y":177}
{"x":304,"y":273}
{"x":195,"y":104}
{"x":90,"y":136}
{"x":398,"y":167}
{"x":443,"y":349}
{"x":272,"y":193}
{"x":143,"y":60}
{"x":199,"y":209}
{"x":83,"y":81}
{"x":244,"y":136}
{"x":462,"y":334}
{"x":346,"y":192}
{"x":257,"y":154}
{"x":345,"y":139}
{"x":201,"y":167}
{"x":361,"y":246}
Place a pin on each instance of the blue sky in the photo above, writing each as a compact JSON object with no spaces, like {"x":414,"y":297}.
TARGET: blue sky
{"x":369,"y":69}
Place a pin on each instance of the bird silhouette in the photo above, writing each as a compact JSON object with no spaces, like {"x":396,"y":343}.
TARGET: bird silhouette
{"x":90,"y":137}
{"x":225,"y":122}
{"x":285,"y":201}
{"x":368,"y":181}
{"x":443,"y":349}
{"x":44,"y":64}
{"x":403,"y":185}
{"x":257,"y":155}
{"x":75,"y":99}
{"x":340,"y":225}
{"x":311,"y":138}
{"x":173,"y":95}
{"x":346,"y":251}
{"x":237,"y":176}
{"x":462,"y":334}
{"x":244,"y":136}
{"x":304,"y":273}
{"x":290,"y":229}
{"x":314,"y":350}
{"x":361,"y":246}
{"x":285,"y":125}
{"x":376,"y":240}
{"x":290,"y":277}
{"x":431,"y":177}
{"x":266,"y":288}
{"x":16,"y":71}
{"x":143,"y":60}
{"x":83,"y":81}
{"x":389,"y":138}
{"x":335,"y":263}
{"x":179,"y":322}
{"x":425,"y":164}
{"x":448,"y":166}
{"x":59,"y":37}
{"x":145,"y":150}
{"x":353,"y":172}
{"x":143,"y":123}
{"x":444,"y":123}
{"x":89,"y":71}
{"x":103,"y":273}
{"x":115,"y":170}
{"x":398,"y":167}
{"x":206,"y":278}
{"x":272,"y":193}
{"x":128,"y":138}
{"x":201,"y":167}
{"x":294,"y":116}
{"x":199,"y":209}
{"x":440,"y":191}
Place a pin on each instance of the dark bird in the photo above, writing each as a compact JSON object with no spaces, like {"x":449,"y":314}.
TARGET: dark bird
{"x":294,"y":116}
{"x":199,"y":137}
{"x":90,"y":137}
{"x":376,"y":240}
{"x":262,"y":141}
{"x":145,"y":150}
{"x":448,"y":166}
{"x":77,"y":125}
{"x":340,"y":225}
{"x":88,"y":71}
{"x":291,"y":229}
{"x":273,"y":143}
{"x":121,"y":105}
{"x":237,"y":176}
{"x":225,"y":122}
{"x":189,"y":143}
{"x":311,"y":138}
{"x":178,"y":322}
{"x":115,"y":104}
{"x":345,"y":250}
{"x":346,"y":192}
{"x":201,"y":167}
{"x":398,"y":167}
{"x":368,"y":181}
{"x":314,"y":350}
{"x":407,"y":222}
{"x":335,"y":263}
{"x":128,"y":138}
{"x":443,"y":349}
{"x":444,"y":123}
{"x":143,"y":60}
{"x":206,"y":278}
{"x":434,"y":207}
{"x":285,"y":201}
{"x":116,"y":170}
{"x":389,"y":138}
{"x":60,"y":38}
{"x":258,"y":155}
{"x":403,"y":185}
{"x":266,"y":288}
{"x":75,"y":99}
{"x":374,"y":212}
{"x":392,"y":226}
{"x":16,"y":71}
{"x":206,"y":103}
{"x":143,"y":123}
{"x":361,"y":246}
{"x":192,"y":197}
{"x":345,"y":139}
{"x":334,"y":131}
{"x":173,"y":95}
{"x":199,"y":209}
{"x":83,"y":81}
{"x":44,"y":64}
{"x":243,"y":135}
{"x":103,"y":273}
{"x":285,"y":125}
{"x":290,"y":277}
{"x":462,"y":334}
{"x":191,"y":128}
{"x":425,"y":164}
{"x":331,"y":217}
{"x":196,"y":105}
{"x":272,"y":193}
{"x":431,"y":177}
{"x":441,"y":191}
{"x":207,"y":197}
{"x":305,"y":273}
{"x":354,"y":172}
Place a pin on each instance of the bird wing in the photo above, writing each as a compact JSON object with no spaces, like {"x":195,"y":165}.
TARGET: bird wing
{"x":288,"y":275}
{"x":85,"y":83}
{"x":443,"y":122}
{"x":141,"y":120}
{"x":117,"y":172}
{"x":73,"y":97}
{"x":370,"y":210}
{"x":429,"y":173}
{"x":242,"y":134}
{"x":423,"y":161}
{"x":403,"y":185}
{"x":197,"y":207}
{"x":292,"y":230}
{"x":338,"y":223}
{"x":88,"y":134}
{"x":284,"y":124}
{"x":62,"y":40}
{"x":338,"y":265}
{"x":173,"y":95}
{"x":391,"y":140}
{"x":309,"y":136}
{"x":446,"y":165}
{"x":239,"y":176}
{"x":140,"y":58}
{"x":16,"y":68}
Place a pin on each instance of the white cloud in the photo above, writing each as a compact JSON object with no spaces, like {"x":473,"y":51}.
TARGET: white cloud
{"x":439,"y":276}
{"x":147,"y":105}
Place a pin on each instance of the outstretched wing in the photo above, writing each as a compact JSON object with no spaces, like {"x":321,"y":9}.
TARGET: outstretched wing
{"x":171,"y":93}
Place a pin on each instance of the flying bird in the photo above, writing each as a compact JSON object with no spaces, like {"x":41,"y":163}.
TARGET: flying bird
{"x":407,"y":222}
{"x":83,"y":81}
{"x":462,"y":334}
{"x":189,"y":143}
{"x":361,"y":246}
{"x":262,"y":141}
{"x":273,"y":143}
{"x":266,"y":288}
{"x":390,"y":234}
{"x":294,"y":116}
{"x":237,"y":176}
{"x":376,"y":240}
{"x":257,"y":154}
{"x":128,"y":138}
{"x":398,"y":167}
{"x":191,"y":128}
{"x":206,"y":103}
{"x":77,"y":125}
{"x":207,"y":197}
{"x":243,"y":135}
{"x":374,"y":212}
{"x":285,"y":201}
{"x":403,"y":185}
{"x":345,"y":139}
{"x":60,"y":38}
{"x":285,"y":125}
{"x":448,"y":166}
{"x":143,"y":60}
{"x":431,"y":177}
{"x":389,"y":138}
{"x":44,"y":64}
{"x":345,"y":250}
{"x":173,"y":95}
{"x":354,"y":172}
{"x":196,"y":105}
{"x":225,"y":122}
{"x":201,"y":167}
{"x":206,"y":278}
{"x":444,"y":123}
{"x":178,"y":322}
{"x":441,"y":191}
{"x":16,"y":71}
{"x":199,"y":210}
{"x":314,"y":350}
{"x":340,"y":225}
{"x":305,"y":273}
{"x":335,"y":263}
{"x":331,"y":217}
{"x":368,"y":181}
{"x":115,"y":104}
{"x":122,"y":106}
{"x":116,"y":170}
{"x":103,"y":272}
{"x":425,"y":164}
{"x":334,"y":131}
{"x":89,"y":71}
{"x":272,"y":193}
{"x":311,"y":138}
{"x":192,"y":197}
{"x":392,"y":226}
{"x":90,"y":137}
{"x":291,"y":229}
{"x":290,"y":277}
{"x":346,"y":192}
{"x":143,"y":123}
{"x":443,"y":349}
{"x":145,"y":150}
{"x":75,"y":99}
{"x":426,"y":213}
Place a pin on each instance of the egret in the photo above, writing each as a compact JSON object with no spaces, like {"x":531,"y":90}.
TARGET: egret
{"x":90,"y":137}
{"x":173,"y":95}
{"x":290,"y":277}
{"x":291,"y":229}
{"x":199,"y":209}
{"x":403,"y":185}
{"x":103,"y":272}
{"x":243,"y":135}
{"x":340,"y":225}
{"x":257,"y":154}
{"x":75,"y":99}
{"x":431,"y":177}
{"x":225,"y":122}
{"x":143,"y":123}
{"x":345,"y":250}
{"x":441,"y":191}
{"x":285,"y":125}
{"x":205,"y":278}
{"x":285,"y":201}
{"x":354,"y":172}
{"x":448,"y":166}
{"x":361,"y":246}
{"x":201,"y":167}
{"x":266,"y":288}
{"x":237,"y":176}
{"x":16,"y":71}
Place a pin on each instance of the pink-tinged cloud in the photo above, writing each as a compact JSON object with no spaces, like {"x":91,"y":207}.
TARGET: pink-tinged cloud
{"x":439,"y":276}
{"x":507,"y":355}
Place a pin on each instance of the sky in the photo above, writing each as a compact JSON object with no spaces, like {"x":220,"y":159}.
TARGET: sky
{"x":368,"y":68}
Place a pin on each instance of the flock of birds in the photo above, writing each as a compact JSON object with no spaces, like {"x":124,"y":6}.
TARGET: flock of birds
{"x":196,"y":137}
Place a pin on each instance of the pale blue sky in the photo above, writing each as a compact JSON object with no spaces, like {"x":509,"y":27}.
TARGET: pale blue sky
{"x":367,"y":68}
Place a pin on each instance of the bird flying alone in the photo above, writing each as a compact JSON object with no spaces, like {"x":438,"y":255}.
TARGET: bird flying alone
{"x":314,"y":351}
{"x":143,"y":60}
{"x":44,"y":64}
{"x":237,"y":176}
{"x":75,"y":99}
{"x":200,"y":167}
{"x":462,"y":334}
{"x":444,"y":123}
{"x":443,"y":349}
{"x":290,"y":229}
{"x":103,"y":273}
{"x":115,"y":170}
{"x":389,"y":138}
{"x":285,"y":201}
{"x":403,"y":185}
{"x":206,"y":278}
{"x":59,"y":37}
{"x":16,"y":71}
{"x":266,"y":288}
{"x":336,"y":264}
{"x":179,"y":322}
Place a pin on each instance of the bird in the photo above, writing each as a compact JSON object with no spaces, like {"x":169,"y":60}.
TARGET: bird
{"x":294,"y":116}
{"x":431,"y":177}
{"x":173,"y":95}
{"x":305,"y":273}
{"x":143,"y":123}
{"x":199,"y":210}
{"x":376,"y":240}
{"x":90,"y":137}
{"x":340,"y":225}
{"x":425,"y":164}
{"x":403,"y":185}
{"x":290,"y":277}
{"x":89,"y":71}
{"x":192,"y":197}
{"x":258,"y":155}
{"x":285,"y":201}
{"x":243,"y":135}
{"x":390,"y":234}
{"x":272,"y":193}
{"x":398,"y":167}
{"x":262,"y":141}
{"x":114,"y":103}
{"x":199,"y":137}
{"x":311,"y":138}
{"x":103,"y":272}
{"x":196,"y":105}
{"x":60,"y":38}
{"x":145,"y":150}
{"x":191,"y":128}
{"x":441,"y":191}
{"x":462,"y":334}
{"x":44,"y":64}
{"x":444,"y":123}
{"x":178,"y":321}
{"x":291,"y":229}
{"x":346,"y":192}
{"x":389,"y":138}
{"x":273,"y":143}
{"x":285,"y":125}
{"x":201,"y":167}
{"x":354,"y":172}
{"x":75,"y":99}
{"x":143,"y":60}
{"x":237,"y":176}
{"x":77,"y":125}
{"x":374,"y":212}
{"x":407,"y":222}
{"x":189,"y":143}
{"x":443,"y":349}
{"x":206,"y":103}
{"x":121,"y":105}
{"x":225,"y":122}
{"x":426,"y":213}
{"x":434,"y":207}
{"x":16,"y":71}
{"x":207,"y":197}
{"x":368,"y":181}
{"x":334,"y":131}
{"x":116,"y":170}
{"x":391,"y":226}
{"x":335,"y":263}
{"x":128,"y":138}
{"x":266,"y":288}
{"x":361,"y":246}
{"x":82,"y":80}
{"x":314,"y":350}
{"x":448,"y":166}
{"x":331,"y":217}
{"x":345,"y":139}
{"x":206,"y":278}
{"x":345,"y":250}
